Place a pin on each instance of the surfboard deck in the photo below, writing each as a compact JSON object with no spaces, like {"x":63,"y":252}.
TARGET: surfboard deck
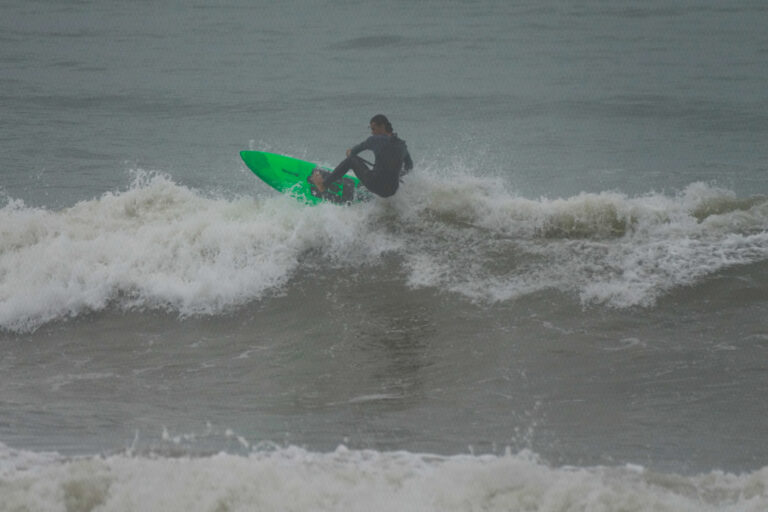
{"x":289,"y":176}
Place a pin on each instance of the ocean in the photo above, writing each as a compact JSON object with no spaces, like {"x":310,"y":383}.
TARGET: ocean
{"x":563,"y":308}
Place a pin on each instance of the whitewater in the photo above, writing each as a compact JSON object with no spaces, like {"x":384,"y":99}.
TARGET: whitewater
{"x":160,"y":245}
{"x":294,"y":479}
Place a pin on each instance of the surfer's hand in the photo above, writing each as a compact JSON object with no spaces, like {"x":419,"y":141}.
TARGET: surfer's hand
{"x":349,"y":152}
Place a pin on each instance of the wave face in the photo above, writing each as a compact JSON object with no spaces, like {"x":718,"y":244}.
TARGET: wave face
{"x":161,"y":245}
{"x":294,"y":479}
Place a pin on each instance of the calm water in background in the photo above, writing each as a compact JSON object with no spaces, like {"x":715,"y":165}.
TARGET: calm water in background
{"x":570,"y":291}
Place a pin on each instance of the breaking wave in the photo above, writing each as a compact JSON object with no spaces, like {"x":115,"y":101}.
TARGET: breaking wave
{"x":162,"y":245}
{"x":292,"y":478}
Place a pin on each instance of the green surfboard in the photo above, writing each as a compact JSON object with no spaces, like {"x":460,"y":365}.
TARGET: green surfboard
{"x":289,"y":176}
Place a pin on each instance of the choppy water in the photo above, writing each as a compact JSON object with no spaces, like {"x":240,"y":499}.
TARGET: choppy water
{"x":562,"y":309}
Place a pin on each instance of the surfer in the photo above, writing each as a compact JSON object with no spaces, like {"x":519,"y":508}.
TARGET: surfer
{"x":391,"y":161}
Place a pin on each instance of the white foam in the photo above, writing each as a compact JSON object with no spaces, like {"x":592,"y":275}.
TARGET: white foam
{"x":297,"y":480}
{"x":606,"y":247}
{"x":156,"y":245}
{"x":162,"y":245}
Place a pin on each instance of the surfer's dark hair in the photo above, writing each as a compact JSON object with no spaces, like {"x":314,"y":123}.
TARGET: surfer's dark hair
{"x":382,"y":120}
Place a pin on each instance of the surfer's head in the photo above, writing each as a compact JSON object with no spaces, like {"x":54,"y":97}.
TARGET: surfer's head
{"x":380,"y":125}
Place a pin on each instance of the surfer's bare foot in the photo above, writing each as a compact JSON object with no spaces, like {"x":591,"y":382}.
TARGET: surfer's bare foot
{"x":317,"y":180}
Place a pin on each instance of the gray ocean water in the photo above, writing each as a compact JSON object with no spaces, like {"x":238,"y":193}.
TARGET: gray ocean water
{"x":563,"y":308}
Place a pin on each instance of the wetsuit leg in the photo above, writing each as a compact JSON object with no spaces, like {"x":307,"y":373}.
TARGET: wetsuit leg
{"x":349,"y":163}
{"x":367,"y":177}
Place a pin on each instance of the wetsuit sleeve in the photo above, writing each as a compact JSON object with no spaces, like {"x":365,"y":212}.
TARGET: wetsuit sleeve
{"x":366,"y":144}
{"x":340,"y":169}
{"x":407,"y":162}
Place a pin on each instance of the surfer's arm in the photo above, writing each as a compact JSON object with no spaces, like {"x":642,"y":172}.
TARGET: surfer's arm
{"x":407,"y":162}
{"x":366,"y":144}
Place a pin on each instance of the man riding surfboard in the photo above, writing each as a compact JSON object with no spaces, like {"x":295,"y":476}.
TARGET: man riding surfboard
{"x":392,"y":161}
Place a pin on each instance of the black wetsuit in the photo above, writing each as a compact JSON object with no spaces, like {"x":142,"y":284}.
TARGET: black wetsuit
{"x":392,"y":161}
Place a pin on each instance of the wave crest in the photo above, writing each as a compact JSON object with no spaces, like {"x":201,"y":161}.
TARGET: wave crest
{"x":162,"y":245}
{"x":295,"y":479}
